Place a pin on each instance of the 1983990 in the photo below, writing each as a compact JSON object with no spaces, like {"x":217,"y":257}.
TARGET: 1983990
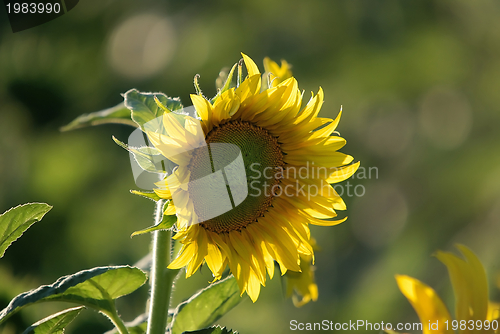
{"x":26,"y":14}
{"x":33,"y":8}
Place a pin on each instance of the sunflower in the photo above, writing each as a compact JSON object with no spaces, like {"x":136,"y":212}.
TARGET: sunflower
{"x":277,"y":74}
{"x":290,"y":158}
{"x":474,"y":313}
{"x":301,"y":286}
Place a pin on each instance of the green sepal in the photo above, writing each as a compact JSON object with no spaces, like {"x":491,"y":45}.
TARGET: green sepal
{"x":197,"y":87}
{"x":118,"y":114}
{"x":239,"y":77}
{"x":227,"y":85}
{"x":206,"y":307}
{"x":213,"y":330}
{"x":145,"y":107}
{"x":166,"y":223}
{"x":15,"y":221}
{"x":55,"y":323}
{"x":96,"y":288}
{"x":148,"y":158}
{"x":150,"y":195}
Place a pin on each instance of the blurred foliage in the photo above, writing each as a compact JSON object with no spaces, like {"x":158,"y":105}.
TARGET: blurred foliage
{"x":418,"y":82}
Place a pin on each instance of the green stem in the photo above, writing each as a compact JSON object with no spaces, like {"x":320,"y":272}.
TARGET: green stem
{"x":161,"y":278}
{"x":117,"y":322}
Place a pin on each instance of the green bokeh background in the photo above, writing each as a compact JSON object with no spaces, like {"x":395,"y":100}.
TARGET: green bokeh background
{"x":419,"y":83}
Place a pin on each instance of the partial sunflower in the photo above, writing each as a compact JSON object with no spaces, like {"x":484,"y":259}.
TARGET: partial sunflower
{"x":276,"y":73}
{"x":302,"y":286}
{"x":290,"y":158}
{"x":474,"y":313}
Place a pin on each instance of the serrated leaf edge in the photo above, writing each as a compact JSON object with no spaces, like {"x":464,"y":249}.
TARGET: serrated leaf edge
{"x":50,"y":317}
{"x":2,"y":253}
{"x":58,"y":287}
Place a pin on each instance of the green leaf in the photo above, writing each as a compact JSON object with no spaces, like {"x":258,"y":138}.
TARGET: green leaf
{"x":166,"y":223}
{"x":206,"y":307}
{"x":227,"y":84}
{"x":55,"y":323}
{"x":95,"y":288}
{"x":213,"y":330}
{"x":148,"y":158}
{"x":150,"y":195}
{"x":15,"y":221}
{"x":118,"y":114}
{"x":145,"y":109}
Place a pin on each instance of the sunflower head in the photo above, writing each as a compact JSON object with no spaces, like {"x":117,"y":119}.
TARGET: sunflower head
{"x":254,"y":169}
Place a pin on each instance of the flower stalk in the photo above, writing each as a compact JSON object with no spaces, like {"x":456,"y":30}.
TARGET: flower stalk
{"x":117,"y":322}
{"x":162,"y":278}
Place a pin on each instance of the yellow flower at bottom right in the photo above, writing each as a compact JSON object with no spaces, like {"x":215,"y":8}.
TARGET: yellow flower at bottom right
{"x":474,"y":313}
{"x":302,"y":286}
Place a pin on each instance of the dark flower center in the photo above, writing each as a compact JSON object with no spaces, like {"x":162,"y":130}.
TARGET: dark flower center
{"x":263,"y":164}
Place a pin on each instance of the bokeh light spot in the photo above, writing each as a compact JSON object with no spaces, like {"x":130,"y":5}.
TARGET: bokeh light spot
{"x":141,"y":46}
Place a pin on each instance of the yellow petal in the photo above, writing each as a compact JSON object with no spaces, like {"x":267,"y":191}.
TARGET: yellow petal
{"x":288,"y":100}
{"x":163,"y":193}
{"x":327,"y":130}
{"x":479,"y":282}
{"x":427,"y":304}
{"x":283,"y":246}
{"x":274,"y":247}
{"x":300,"y":243}
{"x":335,"y":159}
{"x":320,"y":222}
{"x":319,"y":151}
{"x":215,"y":260}
{"x":278,"y":73}
{"x":313,"y":208}
{"x":201,"y":252}
{"x":314,"y":190}
{"x":259,"y":104}
{"x":245,"y":250}
{"x":302,"y":131}
{"x":195,"y":135}
{"x":342,"y":173}
{"x":493,"y":311}
{"x":271,"y":66}
{"x":267,"y":258}
{"x":225,"y":107}
{"x":185,"y":255}
{"x":204,"y":110}
{"x":170,"y":210}
{"x":173,"y":128}
{"x":173,"y":149}
{"x":252,"y":68}
{"x":253,"y":286}
{"x":302,"y":283}
{"x":247,"y":90}
{"x":312,"y":108}
{"x":469,"y":284}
